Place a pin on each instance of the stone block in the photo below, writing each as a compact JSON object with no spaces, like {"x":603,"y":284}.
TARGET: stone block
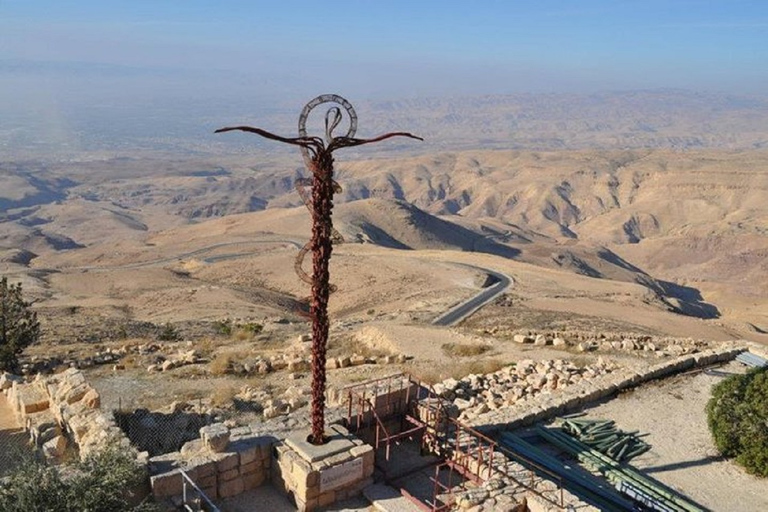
{"x":255,"y":465}
{"x":207,"y":481}
{"x":73,"y":394}
{"x":92,"y":399}
{"x":192,"y":447}
{"x":227,"y":461}
{"x":368,"y":455}
{"x":7,"y":380}
{"x":300,"y":471}
{"x":231,"y":488}
{"x":55,"y":448}
{"x":215,"y":437}
{"x":212,"y":492}
{"x":253,"y":480}
{"x":298,"y":365}
{"x":326,"y":499}
{"x":229,"y":474}
{"x":248,"y":454}
{"x":166,"y":484}
{"x":31,"y":398}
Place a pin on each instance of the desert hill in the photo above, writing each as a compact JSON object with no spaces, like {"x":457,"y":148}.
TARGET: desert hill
{"x":689,"y":227}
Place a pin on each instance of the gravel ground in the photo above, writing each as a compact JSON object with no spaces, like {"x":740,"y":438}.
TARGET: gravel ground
{"x":684,"y":456}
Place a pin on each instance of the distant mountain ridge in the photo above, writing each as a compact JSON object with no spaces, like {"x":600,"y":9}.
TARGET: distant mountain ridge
{"x":669,"y":118}
{"x":676,"y":119}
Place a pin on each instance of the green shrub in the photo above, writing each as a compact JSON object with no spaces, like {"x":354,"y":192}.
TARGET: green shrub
{"x":19,"y":327}
{"x":223,"y":327}
{"x":103,"y":482}
{"x":251,"y":328}
{"x":737,"y":415}
{"x":168,"y":333}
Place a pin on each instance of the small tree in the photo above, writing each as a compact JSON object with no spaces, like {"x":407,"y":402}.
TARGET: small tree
{"x":19,"y":327}
{"x":737,"y":415}
{"x":106,"y":481}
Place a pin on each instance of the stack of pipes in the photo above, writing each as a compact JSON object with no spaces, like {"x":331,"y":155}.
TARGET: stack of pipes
{"x":605,"y":437}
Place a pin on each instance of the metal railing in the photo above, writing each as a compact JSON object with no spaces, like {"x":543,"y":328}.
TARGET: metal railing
{"x":202,"y":502}
{"x":463,"y":450}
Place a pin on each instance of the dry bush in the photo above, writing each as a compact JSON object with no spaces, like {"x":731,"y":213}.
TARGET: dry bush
{"x":242,"y":334}
{"x":206,"y":347}
{"x":464,"y":349}
{"x":459,"y":370}
{"x":431,"y":375}
{"x":223,"y":396}
{"x":346,"y":345}
{"x":484,"y":366}
{"x":130,"y":361}
{"x":221,"y":364}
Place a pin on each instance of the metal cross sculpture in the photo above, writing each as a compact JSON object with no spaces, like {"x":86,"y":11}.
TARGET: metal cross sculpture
{"x":318,"y":156}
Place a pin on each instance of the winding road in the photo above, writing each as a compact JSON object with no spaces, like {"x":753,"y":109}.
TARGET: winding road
{"x":462,"y":310}
{"x":451,"y":317}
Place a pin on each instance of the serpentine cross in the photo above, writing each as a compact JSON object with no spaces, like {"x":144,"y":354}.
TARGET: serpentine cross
{"x":318,"y":157}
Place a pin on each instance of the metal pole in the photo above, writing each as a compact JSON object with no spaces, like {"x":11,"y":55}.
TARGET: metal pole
{"x":317,"y":155}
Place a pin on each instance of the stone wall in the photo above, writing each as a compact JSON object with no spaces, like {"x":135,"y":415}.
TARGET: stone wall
{"x":548,"y":405}
{"x":221,"y":466}
{"x":63,"y":411}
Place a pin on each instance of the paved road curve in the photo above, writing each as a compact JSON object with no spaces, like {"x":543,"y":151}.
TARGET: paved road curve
{"x":461,"y":311}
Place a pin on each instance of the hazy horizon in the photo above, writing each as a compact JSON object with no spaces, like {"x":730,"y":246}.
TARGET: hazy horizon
{"x":148,"y":64}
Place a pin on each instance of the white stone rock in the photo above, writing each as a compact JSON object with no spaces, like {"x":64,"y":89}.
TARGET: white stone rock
{"x":522,"y":338}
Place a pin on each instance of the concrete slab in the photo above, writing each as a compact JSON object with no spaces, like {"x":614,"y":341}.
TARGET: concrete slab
{"x":340,"y":441}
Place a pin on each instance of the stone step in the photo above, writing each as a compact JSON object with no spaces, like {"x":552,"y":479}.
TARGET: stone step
{"x":388,"y":499}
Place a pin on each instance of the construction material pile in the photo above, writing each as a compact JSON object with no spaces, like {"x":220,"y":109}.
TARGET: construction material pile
{"x":653,"y":494}
{"x":605,"y":437}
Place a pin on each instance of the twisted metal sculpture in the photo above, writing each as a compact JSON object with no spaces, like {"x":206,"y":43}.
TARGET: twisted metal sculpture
{"x":318,"y":156}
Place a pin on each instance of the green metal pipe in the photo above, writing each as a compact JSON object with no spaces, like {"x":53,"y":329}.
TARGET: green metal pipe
{"x":612,"y":470}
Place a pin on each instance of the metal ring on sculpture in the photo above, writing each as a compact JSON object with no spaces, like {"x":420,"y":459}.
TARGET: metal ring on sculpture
{"x":326,"y":98}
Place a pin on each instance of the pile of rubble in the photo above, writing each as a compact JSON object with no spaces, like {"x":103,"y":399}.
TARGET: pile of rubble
{"x":181,"y":358}
{"x":294,"y":398}
{"x":297,"y":358}
{"x":477,"y":394}
{"x":614,"y":342}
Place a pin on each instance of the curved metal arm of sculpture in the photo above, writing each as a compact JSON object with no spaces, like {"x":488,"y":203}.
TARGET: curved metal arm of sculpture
{"x":316,"y":144}
{"x":313,"y":144}
{"x":348,"y":142}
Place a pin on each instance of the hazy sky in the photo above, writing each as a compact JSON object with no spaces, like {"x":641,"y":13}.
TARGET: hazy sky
{"x":385,"y":48}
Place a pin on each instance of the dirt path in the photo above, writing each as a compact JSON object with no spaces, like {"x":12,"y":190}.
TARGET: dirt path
{"x":13,"y":440}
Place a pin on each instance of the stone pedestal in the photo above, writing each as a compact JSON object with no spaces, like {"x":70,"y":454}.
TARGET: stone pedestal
{"x":316,"y":476}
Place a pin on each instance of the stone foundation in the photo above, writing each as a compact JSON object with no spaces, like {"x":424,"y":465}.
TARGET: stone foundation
{"x":317,"y":476}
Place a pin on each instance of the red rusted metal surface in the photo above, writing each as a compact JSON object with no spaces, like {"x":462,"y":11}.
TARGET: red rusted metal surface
{"x":318,"y":155}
